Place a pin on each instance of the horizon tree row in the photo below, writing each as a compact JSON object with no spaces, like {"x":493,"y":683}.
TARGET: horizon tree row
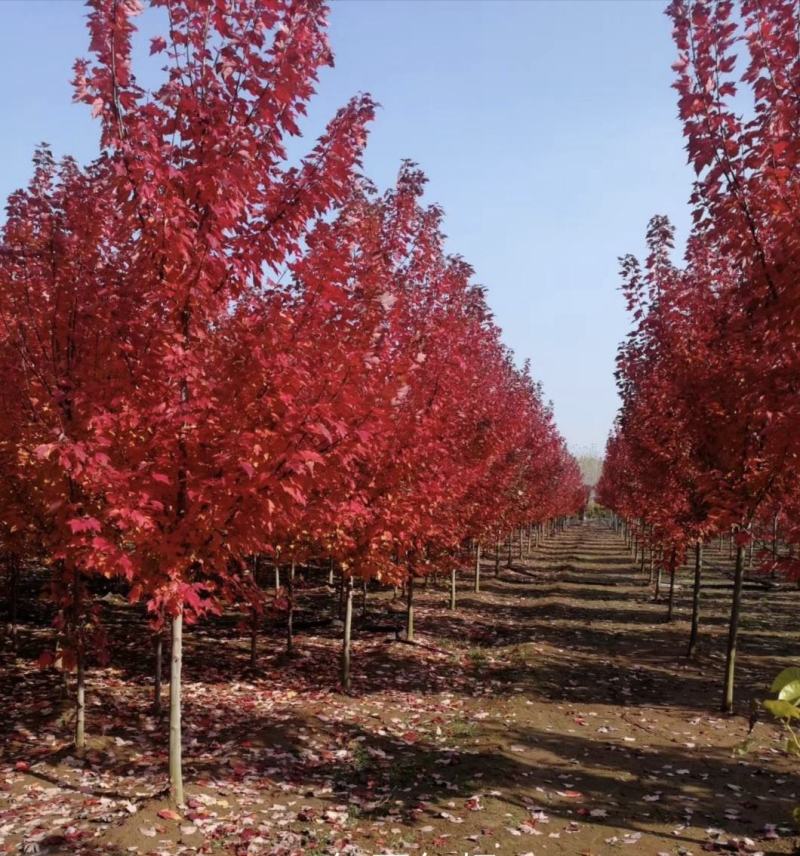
{"x":707,"y":440}
{"x":208,"y":354}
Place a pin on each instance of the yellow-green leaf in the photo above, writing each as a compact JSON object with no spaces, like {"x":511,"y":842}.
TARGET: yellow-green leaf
{"x":787,"y":676}
{"x":790,"y":691}
{"x":782,"y":709}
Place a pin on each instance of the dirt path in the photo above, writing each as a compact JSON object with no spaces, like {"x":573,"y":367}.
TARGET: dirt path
{"x":552,"y":713}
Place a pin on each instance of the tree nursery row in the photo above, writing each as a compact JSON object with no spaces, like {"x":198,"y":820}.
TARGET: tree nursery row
{"x":212,"y":359}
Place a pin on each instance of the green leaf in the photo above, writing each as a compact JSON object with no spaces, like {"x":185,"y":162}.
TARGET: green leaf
{"x":787,"y":676}
{"x":782,"y":709}
{"x":790,"y":691}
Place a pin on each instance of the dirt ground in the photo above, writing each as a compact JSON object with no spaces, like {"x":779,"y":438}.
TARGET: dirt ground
{"x":554,"y":713}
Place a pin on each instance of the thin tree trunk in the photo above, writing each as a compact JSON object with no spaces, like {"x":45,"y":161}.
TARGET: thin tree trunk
{"x":478,"y":568}
{"x":175,"y":747}
{"x":775,"y":537}
{"x":290,"y":610}
{"x":410,"y":609}
{"x":254,"y":615}
{"x":13,"y":605}
{"x":698,"y":571}
{"x":80,"y":686}
{"x":330,"y":572}
{"x":671,"y":607}
{"x":453,"y":587}
{"x":733,"y":632}
{"x":497,"y":558}
{"x":254,"y":622}
{"x":364,"y":591}
{"x":348,"y":628}
{"x":509,"y":560}
{"x":159,"y":646}
{"x":80,"y":704}
{"x":659,"y":569}
{"x":277,"y":576}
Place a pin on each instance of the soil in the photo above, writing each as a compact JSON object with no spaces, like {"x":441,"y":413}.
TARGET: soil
{"x":553,"y":713}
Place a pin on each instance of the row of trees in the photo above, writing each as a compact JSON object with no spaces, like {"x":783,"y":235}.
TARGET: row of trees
{"x":707,"y":440}
{"x":209,"y":355}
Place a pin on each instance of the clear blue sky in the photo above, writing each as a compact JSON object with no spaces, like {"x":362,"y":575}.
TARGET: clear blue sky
{"x":548,"y":130}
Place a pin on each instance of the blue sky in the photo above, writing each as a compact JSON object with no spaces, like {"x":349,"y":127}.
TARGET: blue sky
{"x":547,"y":128}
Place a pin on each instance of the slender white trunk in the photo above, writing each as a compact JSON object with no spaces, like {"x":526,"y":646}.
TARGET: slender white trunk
{"x":80,"y":707}
{"x":698,"y":570}
{"x":410,"y":610}
{"x":175,"y":748}
{"x":290,"y":611}
{"x":348,"y":627}
{"x":733,"y":632}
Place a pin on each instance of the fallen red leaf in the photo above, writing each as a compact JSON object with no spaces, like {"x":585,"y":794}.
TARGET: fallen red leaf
{"x":168,"y":814}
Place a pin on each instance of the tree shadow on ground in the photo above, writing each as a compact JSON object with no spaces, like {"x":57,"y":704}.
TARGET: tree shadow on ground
{"x":386,"y":776}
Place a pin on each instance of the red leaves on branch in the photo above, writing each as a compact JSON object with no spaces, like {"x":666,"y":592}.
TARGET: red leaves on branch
{"x":707,"y":435}
{"x":208,"y":353}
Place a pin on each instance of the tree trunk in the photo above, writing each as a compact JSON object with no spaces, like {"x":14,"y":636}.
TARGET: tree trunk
{"x":348,"y":628}
{"x":330,"y":573}
{"x":290,"y":610}
{"x":80,"y":704}
{"x":659,"y":569}
{"x":13,"y":599}
{"x":80,"y":686}
{"x":175,"y":748}
{"x":478,"y":568}
{"x":254,"y":622}
{"x":508,"y":562}
{"x":775,"y":537}
{"x":672,"y":563}
{"x":497,"y":557}
{"x":453,"y":588}
{"x":159,"y":646}
{"x":364,"y":591}
{"x":410,"y":609}
{"x":277,"y":576}
{"x":733,"y":632}
{"x":698,"y":570}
